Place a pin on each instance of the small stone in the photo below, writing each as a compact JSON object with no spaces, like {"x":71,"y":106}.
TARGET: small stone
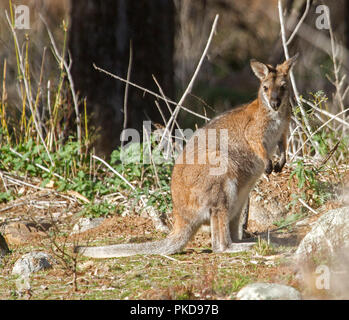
{"x":268,"y":291}
{"x":17,"y":233}
{"x":85,"y":224}
{"x":32,"y":262}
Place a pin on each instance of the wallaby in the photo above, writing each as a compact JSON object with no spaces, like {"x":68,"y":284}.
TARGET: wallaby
{"x":200,"y":195}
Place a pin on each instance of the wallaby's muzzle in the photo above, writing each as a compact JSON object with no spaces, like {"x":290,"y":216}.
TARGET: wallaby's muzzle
{"x":275,"y":104}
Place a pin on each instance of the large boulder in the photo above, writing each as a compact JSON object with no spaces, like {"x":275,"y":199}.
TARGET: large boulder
{"x":329,"y":237}
{"x":268,"y":291}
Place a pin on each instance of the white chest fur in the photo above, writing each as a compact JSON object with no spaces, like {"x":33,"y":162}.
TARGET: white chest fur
{"x":274,"y":130}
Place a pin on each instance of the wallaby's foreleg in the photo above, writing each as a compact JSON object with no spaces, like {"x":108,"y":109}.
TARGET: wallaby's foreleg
{"x":259,"y":149}
{"x":282,"y":147}
{"x":238,"y":225}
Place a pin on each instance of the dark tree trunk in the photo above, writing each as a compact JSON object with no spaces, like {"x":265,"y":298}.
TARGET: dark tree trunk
{"x":101,"y":33}
{"x":347,"y":24}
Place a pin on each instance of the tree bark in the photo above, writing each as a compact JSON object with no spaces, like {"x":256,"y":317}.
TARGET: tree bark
{"x":101,"y":33}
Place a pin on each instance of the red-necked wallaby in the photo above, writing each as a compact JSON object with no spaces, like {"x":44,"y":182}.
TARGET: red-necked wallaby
{"x":201,"y":195}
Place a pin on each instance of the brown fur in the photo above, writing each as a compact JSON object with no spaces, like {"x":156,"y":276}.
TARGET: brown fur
{"x":200,"y":196}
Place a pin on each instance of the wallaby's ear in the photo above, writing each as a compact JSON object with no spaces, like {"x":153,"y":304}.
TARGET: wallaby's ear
{"x":259,"y":69}
{"x":288,"y":64}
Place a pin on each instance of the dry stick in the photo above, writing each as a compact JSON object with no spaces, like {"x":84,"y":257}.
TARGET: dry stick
{"x":114,"y":171}
{"x":330,"y":154}
{"x":326,"y":113}
{"x":287,"y":56}
{"x":293,"y":81}
{"x":18,"y":204}
{"x":126,"y":94}
{"x":49,"y":134}
{"x":40,"y":84}
{"x":307,"y":206}
{"x":19,"y":182}
{"x":160,"y":111}
{"x":166,"y":102}
{"x":169,"y":109}
{"x":299,"y":23}
{"x":300,"y":126}
{"x":3,"y":181}
{"x":169,"y":144}
{"x":337,"y":83}
{"x":38,"y":165}
{"x":332,"y":117}
{"x":149,"y":91}
{"x":290,"y":140}
{"x":148,"y":142}
{"x":156,"y":220}
{"x":28,"y":92}
{"x":190,"y":85}
{"x":70,"y":79}
{"x":316,"y":38}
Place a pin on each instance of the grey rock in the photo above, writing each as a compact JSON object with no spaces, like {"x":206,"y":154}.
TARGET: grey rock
{"x":268,"y":291}
{"x":328,"y":236}
{"x":85,"y":224}
{"x":23,"y":285}
{"x":32,"y":262}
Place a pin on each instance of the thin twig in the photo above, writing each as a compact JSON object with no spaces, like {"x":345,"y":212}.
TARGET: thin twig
{"x":114,"y":171}
{"x":38,"y":165}
{"x":307,"y":206}
{"x":332,"y":117}
{"x":19,"y":182}
{"x":70,"y":79}
{"x":191,"y":82}
{"x":293,"y":81}
{"x":28,"y":92}
{"x":126,"y":94}
{"x":149,"y":91}
{"x":299,"y":23}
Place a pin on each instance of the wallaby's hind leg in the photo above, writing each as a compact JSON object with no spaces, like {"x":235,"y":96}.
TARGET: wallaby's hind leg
{"x":236,"y":230}
{"x":220,"y":234}
{"x":215,"y":241}
{"x":239,"y":223}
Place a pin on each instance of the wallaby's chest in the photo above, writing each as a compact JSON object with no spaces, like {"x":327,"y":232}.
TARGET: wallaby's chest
{"x":273,"y":131}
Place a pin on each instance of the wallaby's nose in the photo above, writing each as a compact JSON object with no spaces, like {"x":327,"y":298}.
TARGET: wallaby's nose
{"x":275,"y":103}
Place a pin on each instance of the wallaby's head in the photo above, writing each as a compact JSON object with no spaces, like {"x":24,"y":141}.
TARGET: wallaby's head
{"x":274,"y":82}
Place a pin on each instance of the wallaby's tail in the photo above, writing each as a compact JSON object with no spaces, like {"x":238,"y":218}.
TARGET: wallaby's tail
{"x":172,"y":244}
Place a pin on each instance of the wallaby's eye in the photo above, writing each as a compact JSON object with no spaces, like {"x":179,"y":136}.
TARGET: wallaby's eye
{"x":265,"y":88}
{"x":283,"y":86}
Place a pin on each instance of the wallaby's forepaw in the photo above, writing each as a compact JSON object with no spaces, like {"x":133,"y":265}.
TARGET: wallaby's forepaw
{"x":278,"y":167}
{"x":239,"y":247}
{"x":269,"y":167}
